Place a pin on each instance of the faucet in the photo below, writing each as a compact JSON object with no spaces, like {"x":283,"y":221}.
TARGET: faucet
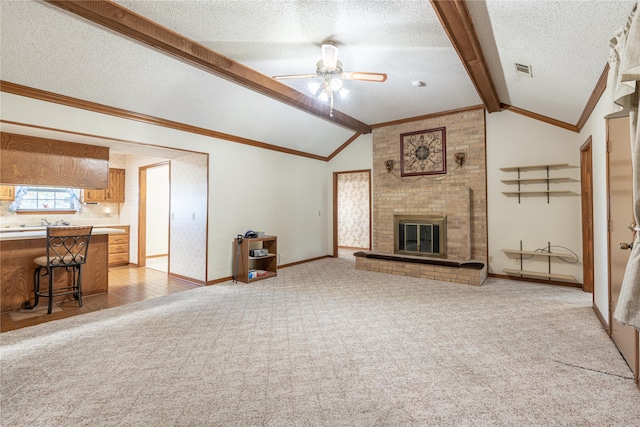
{"x":62,"y":222}
{"x":45,"y":222}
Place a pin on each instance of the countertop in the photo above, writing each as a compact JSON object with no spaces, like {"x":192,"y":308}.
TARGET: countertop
{"x":15,"y":227}
{"x":41,"y":233}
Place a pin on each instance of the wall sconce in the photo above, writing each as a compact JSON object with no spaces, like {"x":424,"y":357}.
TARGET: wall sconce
{"x":389,"y":164}
{"x":460,"y":158}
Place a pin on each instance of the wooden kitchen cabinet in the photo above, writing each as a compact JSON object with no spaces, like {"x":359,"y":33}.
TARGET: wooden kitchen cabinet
{"x":7,"y":193}
{"x":17,"y":269}
{"x":93,"y":195}
{"x":119,"y":246}
{"x":113,"y":194}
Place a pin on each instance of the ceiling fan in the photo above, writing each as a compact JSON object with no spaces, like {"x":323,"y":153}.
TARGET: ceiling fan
{"x":329,"y":69}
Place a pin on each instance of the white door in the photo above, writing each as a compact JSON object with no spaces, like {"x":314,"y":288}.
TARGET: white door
{"x":620,"y":232}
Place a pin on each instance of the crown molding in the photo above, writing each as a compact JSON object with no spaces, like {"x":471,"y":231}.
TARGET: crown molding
{"x":343,"y":146}
{"x":427,"y":116}
{"x":536,"y":116}
{"x":68,"y":101}
{"x":596,"y":94}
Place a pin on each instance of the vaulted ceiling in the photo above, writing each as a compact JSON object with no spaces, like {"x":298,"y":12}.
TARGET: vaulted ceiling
{"x":206,"y":66}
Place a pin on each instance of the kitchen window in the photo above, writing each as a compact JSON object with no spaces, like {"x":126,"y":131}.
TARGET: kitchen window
{"x":46,"y":200}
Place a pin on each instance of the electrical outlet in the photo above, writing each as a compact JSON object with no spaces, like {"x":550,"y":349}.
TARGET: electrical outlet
{"x":490,"y":259}
{"x":516,"y":261}
{"x":193,"y":215}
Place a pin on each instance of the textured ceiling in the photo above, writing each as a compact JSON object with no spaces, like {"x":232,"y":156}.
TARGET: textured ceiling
{"x":401,"y":38}
{"x":566,"y":43}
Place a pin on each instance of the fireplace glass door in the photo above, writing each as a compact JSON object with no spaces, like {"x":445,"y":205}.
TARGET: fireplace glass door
{"x":423,"y":237}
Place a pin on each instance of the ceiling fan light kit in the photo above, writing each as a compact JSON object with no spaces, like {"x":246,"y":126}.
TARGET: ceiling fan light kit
{"x":330,"y":55}
{"x":329,"y":69}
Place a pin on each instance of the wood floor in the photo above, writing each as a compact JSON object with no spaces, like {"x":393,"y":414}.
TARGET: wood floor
{"x":126,"y":285}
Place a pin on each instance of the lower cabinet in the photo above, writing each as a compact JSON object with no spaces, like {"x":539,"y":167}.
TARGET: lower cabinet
{"x":119,"y":246}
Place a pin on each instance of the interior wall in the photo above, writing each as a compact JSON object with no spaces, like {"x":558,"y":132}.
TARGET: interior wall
{"x":596,"y":128}
{"x":516,"y":140}
{"x":157,"y":211}
{"x":188,"y":239}
{"x":249,"y":187}
{"x":264,"y":190}
{"x":129,"y":209}
{"x":356,"y":156}
{"x":252,"y":201}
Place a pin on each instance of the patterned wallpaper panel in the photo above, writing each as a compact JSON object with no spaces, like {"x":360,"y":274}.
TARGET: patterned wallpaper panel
{"x":353,"y":209}
{"x":189,"y":216}
{"x":129,"y":209}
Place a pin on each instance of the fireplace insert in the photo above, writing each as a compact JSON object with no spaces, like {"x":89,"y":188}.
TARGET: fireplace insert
{"x":420,"y":235}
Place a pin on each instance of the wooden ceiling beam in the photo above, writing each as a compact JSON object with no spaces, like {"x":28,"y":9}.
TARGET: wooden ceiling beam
{"x":456,"y":21}
{"x":130,"y":24}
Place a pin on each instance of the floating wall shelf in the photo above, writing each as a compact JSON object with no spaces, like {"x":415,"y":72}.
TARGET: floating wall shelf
{"x":524,"y":273}
{"x":538,"y":180}
{"x":542,"y":253}
{"x":538,"y":192}
{"x":536,"y":167}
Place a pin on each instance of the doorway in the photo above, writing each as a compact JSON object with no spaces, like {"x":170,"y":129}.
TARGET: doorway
{"x":586,"y":180}
{"x":153,"y":220}
{"x":351,"y":211}
{"x":620,"y":183}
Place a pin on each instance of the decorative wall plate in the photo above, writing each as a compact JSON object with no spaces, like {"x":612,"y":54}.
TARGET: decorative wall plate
{"x":423,"y":152}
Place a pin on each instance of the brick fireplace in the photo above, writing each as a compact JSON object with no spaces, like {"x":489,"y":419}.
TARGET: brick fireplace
{"x":459,"y":195}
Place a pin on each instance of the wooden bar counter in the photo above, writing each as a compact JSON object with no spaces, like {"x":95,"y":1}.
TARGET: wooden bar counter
{"x":17,"y":252}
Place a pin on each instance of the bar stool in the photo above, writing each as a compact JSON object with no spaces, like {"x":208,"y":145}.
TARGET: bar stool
{"x":66,"y":248}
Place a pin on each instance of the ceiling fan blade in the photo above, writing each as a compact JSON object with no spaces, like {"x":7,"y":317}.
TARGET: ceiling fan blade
{"x":295,"y":76}
{"x":329,"y":55}
{"x":367,"y":77}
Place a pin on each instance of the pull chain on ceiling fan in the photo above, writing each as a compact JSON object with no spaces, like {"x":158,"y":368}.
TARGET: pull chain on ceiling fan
{"x":329,"y":69}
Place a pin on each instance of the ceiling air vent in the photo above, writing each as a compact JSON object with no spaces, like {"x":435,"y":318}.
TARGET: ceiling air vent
{"x":524,"y":69}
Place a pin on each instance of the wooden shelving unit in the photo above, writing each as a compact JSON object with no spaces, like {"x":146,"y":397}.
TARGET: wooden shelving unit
{"x":538,"y":274}
{"x":538,"y":180}
{"x":246,"y":263}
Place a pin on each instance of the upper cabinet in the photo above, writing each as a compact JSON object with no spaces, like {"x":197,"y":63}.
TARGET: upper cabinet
{"x":7,"y":193}
{"x":41,"y":162}
{"x":113,"y":194}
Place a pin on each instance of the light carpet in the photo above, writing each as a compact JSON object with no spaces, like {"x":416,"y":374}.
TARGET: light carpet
{"x":323,"y":344}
